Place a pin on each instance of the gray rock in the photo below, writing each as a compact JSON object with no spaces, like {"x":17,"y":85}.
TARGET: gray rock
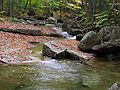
{"x":23,"y":31}
{"x":56,"y":50}
{"x":107,"y":47}
{"x":53,"y":31}
{"x":78,"y":55}
{"x":67,"y":25}
{"x":52,"y":50}
{"x":115,"y":86}
{"x":108,"y":33}
{"x":75,"y":31}
{"x":88,"y":41}
{"x":38,"y":23}
{"x":52,"y":20}
{"x":79,"y":37}
{"x":106,"y":41}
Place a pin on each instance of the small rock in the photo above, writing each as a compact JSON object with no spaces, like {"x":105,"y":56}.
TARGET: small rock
{"x":79,"y":37}
{"x":39,"y":23}
{"x":115,"y":86}
{"x":52,"y":20}
{"x":75,"y":31}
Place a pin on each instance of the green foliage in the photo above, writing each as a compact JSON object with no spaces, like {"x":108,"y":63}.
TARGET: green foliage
{"x":96,"y":13}
{"x":101,"y":19}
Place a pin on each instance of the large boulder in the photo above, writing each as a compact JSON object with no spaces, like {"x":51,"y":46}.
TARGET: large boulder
{"x":88,"y":41}
{"x":107,"y":40}
{"x":109,"y":33}
{"x":110,"y":40}
{"x":104,"y":34}
{"x":107,"y":47}
{"x":65,"y":49}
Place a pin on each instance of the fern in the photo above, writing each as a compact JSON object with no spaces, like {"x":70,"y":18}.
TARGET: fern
{"x":101,"y":22}
{"x":101,"y":19}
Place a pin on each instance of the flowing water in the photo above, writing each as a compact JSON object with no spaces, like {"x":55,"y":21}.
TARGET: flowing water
{"x":53,"y":74}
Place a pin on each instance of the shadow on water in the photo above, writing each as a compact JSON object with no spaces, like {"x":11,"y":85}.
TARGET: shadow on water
{"x":53,"y":74}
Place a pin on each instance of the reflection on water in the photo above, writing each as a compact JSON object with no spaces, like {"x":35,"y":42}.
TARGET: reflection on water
{"x":53,"y":74}
{"x":56,"y":75}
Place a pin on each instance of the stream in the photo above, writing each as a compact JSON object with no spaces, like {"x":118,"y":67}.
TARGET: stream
{"x":63,"y":74}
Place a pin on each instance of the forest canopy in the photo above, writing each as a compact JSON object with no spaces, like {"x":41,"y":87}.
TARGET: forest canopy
{"x":95,"y":12}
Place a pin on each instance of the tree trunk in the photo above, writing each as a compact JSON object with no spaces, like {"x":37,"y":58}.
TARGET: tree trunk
{"x":30,"y":4}
{"x":88,"y":4}
{"x":20,"y":5}
{"x":26,"y":5}
{"x":9,"y":7}
{"x":1,"y":7}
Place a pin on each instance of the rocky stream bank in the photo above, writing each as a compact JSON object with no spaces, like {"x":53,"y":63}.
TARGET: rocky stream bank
{"x":17,"y":38}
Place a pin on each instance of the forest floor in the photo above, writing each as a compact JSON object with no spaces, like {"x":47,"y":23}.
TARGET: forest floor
{"x":14,"y":46}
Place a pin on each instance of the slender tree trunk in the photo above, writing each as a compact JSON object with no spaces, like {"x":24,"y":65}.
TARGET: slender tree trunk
{"x":26,"y":5}
{"x":30,"y":4}
{"x":20,"y":5}
{"x":93,"y":9}
{"x":88,"y":4}
{"x":9,"y":7}
{"x":82,"y":4}
{"x":60,"y":9}
{"x":1,"y":7}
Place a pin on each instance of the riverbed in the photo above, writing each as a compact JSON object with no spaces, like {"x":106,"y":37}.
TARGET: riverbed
{"x":63,"y":74}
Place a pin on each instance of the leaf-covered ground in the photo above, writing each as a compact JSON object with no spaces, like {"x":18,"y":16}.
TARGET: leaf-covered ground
{"x":28,"y":29}
{"x":13,"y":46}
{"x":14,"y":26}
